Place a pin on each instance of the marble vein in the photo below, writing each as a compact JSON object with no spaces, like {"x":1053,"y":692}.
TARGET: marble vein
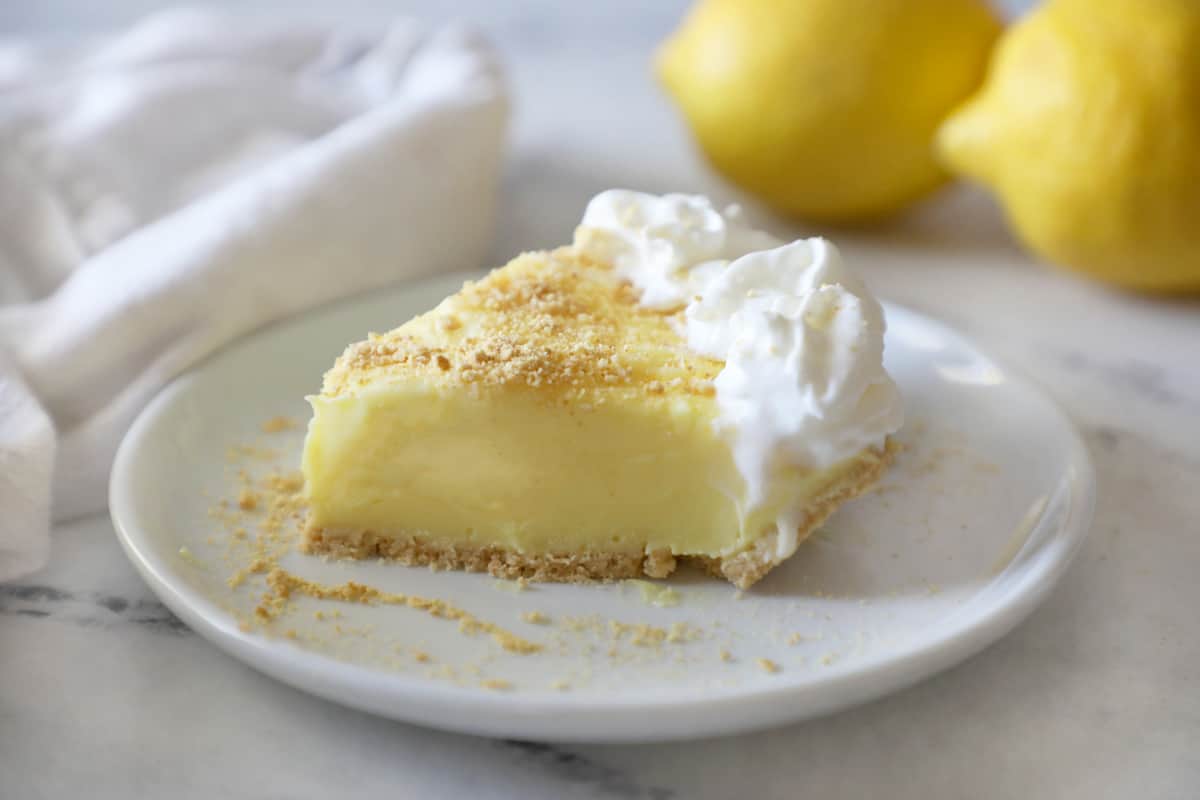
{"x":574,"y":768}
{"x":88,"y":609}
{"x":1140,"y":377}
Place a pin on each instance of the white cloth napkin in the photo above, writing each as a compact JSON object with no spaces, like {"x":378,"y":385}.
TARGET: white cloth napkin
{"x":168,"y":190}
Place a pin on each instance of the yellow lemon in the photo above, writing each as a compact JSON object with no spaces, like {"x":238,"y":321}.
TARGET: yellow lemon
{"x":826,"y":109}
{"x":1088,"y":129}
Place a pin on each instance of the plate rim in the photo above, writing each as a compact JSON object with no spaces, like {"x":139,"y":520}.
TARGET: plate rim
{"x":669,"y":715}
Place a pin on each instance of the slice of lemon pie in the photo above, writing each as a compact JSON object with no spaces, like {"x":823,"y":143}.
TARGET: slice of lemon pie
{"x":674,"y":385}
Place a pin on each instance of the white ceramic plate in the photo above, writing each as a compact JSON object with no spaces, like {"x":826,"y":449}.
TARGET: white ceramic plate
{"x":969,"y":531}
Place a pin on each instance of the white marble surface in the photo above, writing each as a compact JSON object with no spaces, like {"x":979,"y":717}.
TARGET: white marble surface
{"x":104,"y":694}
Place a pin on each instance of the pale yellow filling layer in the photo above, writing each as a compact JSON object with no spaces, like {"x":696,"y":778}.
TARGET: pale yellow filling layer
{"x":510,"y":469}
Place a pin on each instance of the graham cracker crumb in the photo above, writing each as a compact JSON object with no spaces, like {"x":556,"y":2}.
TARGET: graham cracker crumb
{"x":655,"y":594}
{"x":642,"y":635}
{"x":278,"y":424}
{"x":519,"y":585}
{"x":283,"y":584}
{"x":284,"y":483}
{"x":682,"y":632}
{"x":247,"y":500}
{"x":496,"y":684}
{"x":240,"y":452}
{"x":535,"y":618}
{"x":767,"y":665}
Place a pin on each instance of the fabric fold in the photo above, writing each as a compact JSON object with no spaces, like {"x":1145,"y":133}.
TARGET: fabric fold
{"x":195,"y":179}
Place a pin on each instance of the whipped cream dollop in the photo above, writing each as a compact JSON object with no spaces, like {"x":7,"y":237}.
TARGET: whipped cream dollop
{"x":669,"y":247}
{"x":801,"y":336}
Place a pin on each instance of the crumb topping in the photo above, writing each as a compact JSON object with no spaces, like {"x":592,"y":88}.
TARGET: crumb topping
{"x":554,"y":322}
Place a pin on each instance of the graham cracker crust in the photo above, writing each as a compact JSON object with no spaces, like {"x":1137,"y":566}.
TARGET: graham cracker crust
{"x":745,"y":568}
{"x":742,"y":569}
{"x":416,"y":550}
